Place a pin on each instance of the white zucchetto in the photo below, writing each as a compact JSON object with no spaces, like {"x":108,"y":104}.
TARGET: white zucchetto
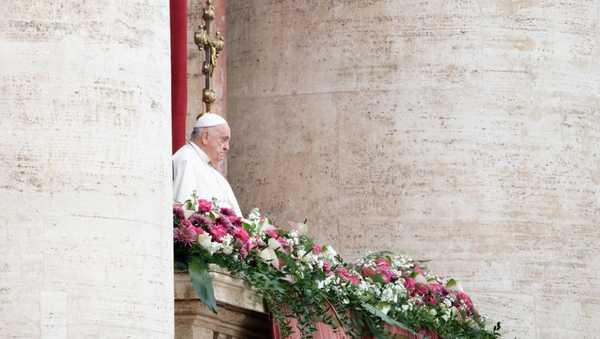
{"x":209,"y":120}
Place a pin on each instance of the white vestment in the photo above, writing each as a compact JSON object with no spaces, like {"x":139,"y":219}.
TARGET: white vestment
{"x":193,"y":172}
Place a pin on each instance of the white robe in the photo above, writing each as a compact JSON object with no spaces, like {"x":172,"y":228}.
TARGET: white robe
{"x":193,"y":172}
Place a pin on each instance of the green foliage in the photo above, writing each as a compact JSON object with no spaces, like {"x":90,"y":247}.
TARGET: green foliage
{"x":202,"y":282}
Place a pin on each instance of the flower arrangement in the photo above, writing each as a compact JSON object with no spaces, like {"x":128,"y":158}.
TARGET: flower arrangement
{"x":314,"y":283}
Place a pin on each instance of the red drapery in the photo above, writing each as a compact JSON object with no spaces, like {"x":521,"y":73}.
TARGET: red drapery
{"x":178,"y":15}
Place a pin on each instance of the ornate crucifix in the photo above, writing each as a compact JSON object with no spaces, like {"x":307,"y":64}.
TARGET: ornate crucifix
{"x":212,"y":46}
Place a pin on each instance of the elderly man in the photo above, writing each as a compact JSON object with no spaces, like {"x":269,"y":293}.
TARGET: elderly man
{"x":195,"y":164}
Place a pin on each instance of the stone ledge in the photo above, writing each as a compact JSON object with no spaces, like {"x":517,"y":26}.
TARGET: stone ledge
{"x":241,"y":313}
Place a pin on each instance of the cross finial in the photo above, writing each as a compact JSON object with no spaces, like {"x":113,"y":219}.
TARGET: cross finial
{"x":212,"y":47}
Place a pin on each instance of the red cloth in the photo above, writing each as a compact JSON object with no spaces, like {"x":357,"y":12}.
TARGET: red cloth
{"x":178,"y":14}
{"x":325,"y":331}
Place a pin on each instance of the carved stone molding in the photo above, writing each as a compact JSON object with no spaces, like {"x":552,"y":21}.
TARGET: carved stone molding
{"x":240,"y":312}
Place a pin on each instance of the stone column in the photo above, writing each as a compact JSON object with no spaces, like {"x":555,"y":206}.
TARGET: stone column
{"x":85,"y":174}
{"x":466,"y":132}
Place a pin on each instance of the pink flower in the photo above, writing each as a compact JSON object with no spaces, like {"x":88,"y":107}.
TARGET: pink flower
{"x":283,"y":242}
{"x":241,"y":234}
{"x":465,"y":299}
{"x":436,"y":287}
{"x":326,"y":266}
{"x":204,"y":206}
{"x":199,"y":220}
{"x":244,"y":251}
{"x":409,"y":284}
{"x":225,"y":222}
{"x":272,"y":233}
{"x":198,"y":230}
{"x":344,"y":274}
{"x":178,"y":211}
{"x":227,"y":211}
{"x":384,"y":269}
{"x":382,"y":264}
{"x":235,"y":220}
{"x":185,"y":235}
{"x":431,"y":300}
{"x":316,"y":249}
{"x":387,"y":276}
{"x":368,"y":271}
{"x":421,"y":289}
{"x":218,"y":232}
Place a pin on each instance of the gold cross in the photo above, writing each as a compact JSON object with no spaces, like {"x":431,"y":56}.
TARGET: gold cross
{"x":212,"y":47}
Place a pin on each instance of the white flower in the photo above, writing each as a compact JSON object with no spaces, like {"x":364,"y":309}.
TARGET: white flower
{"x":385,"y":308}
{"x":274,"y":244}
{"x":188,"y":213}
{"x":227,"y":240}
{"x":227,"y":249}
{"x":268,"y":255}
{"x":389,"y":295}
{"x":204,"y":240}
{"x":321,"y":284}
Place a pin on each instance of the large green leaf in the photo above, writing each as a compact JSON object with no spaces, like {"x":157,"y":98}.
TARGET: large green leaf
{"x":376,"y":312}
{"x":202,"y":282}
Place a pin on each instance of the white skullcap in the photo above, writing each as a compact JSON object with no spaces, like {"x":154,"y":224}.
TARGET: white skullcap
{"x":209,"y":120}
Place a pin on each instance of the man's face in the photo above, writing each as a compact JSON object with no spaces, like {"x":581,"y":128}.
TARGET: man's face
{"x":215,"y":142}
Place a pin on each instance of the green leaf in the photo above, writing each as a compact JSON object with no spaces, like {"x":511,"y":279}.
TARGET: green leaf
{"x":376,"y":312}
{"x":202,"y":282}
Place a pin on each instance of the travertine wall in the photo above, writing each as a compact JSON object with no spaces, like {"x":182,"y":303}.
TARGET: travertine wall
{"x":465,"y":132}
{"x":85,"y":181}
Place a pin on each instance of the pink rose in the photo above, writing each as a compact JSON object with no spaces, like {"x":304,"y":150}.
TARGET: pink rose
{"x":326,"y":266}
{"x":204,"y":206}
{"x":316,"y":248}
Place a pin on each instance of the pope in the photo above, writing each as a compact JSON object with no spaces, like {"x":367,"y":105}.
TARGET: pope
{"x":195,"y":163}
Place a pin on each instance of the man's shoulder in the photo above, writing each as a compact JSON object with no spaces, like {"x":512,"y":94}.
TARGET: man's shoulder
{"x":183,"y":153}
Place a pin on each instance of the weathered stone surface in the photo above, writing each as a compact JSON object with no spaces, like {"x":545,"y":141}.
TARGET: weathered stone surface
{"x":85,"y":227}
{"x":466,"y":132}
{"x":240,"y":312}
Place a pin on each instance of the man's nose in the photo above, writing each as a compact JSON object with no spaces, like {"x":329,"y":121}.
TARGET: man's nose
{"x":226,"y":146}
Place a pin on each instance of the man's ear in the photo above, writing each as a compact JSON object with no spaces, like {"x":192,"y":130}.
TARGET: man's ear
{"x":204,"y":137}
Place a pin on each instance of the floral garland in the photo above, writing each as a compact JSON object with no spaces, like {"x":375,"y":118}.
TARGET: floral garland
{"x":314,"y":283}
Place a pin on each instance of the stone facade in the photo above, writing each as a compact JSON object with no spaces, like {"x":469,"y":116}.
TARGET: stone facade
{"x":465,"y":132}
{"x":85,"y":171}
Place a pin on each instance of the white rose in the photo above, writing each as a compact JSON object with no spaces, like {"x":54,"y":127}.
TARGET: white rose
{"x":204,"y":240}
